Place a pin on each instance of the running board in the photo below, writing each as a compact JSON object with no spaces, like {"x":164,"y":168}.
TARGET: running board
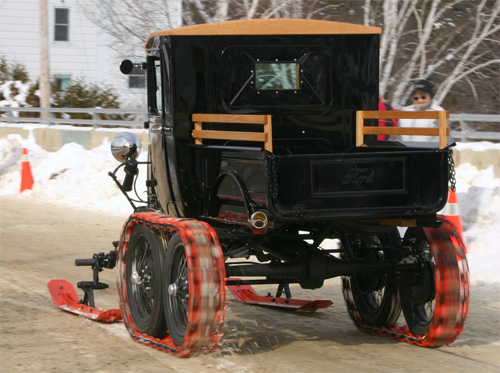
{"x":246,"y":294}
{"x":66,"y":298}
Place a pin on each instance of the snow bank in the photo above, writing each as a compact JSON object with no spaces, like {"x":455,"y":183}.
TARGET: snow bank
{"x":76,"y":177}
{"x":71,"y":176}
{"x":478,"y":195}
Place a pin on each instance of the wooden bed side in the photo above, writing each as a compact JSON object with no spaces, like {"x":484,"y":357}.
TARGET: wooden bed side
{"x":442,"y":131}
{"x":265,"y":136}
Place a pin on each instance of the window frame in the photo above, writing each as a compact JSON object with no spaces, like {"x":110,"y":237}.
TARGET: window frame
{"x":154,"y":63}
{"x":62,"y":79}
{"x":56,"y":25}
{"x":272,"y":66}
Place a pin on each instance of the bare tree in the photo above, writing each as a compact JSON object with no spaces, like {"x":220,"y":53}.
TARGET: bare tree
{"x":446,"y":41}
{"x":469,"y":57}
{"x":453,"y":43}
{"x":130,"y":22}
{"x":206,"y":11}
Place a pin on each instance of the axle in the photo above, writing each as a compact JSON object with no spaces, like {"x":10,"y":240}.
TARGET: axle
{"x":309,"y":273}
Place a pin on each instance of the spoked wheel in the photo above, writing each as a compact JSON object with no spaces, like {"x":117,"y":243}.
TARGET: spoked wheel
{"x":371,"y":298}
{"x":177,"y":290}
{"x":144,"y":281}
{"x":418,"y":301}
{"x":437,"y":305}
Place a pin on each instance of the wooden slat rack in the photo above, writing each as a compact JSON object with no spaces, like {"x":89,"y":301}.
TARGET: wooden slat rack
{"x":442,"y":131}
{"x":265,"y":136}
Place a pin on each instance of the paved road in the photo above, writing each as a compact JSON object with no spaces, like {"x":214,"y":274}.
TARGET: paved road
{"x":39,"y":242}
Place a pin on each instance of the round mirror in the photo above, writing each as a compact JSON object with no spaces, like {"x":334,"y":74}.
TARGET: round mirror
{"x":125,"y":145}
{"x":126,"y":67}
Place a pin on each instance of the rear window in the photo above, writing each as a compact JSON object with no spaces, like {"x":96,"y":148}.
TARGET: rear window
{"x":277,"y":75}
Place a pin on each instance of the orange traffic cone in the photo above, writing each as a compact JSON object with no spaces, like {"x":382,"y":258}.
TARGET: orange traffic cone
{"x":452,"y":212}
{"x":26,"y":174}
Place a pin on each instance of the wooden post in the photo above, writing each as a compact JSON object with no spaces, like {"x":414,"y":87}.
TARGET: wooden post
{"x":198,"y":127}
{"x":443,"y":139}
{"x":44,"y":60}
{"x":268,"y":130}
{"x":360,"y":123}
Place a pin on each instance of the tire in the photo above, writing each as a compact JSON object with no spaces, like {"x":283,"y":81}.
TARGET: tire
{"x":374,"y":299}
{"x":418,"y":301}
{"x":379,"y":307}
{"x":144,"y":281}
{"x":176,"y":292}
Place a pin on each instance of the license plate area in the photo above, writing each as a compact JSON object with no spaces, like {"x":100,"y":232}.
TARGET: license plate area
{"x":351,"y":177}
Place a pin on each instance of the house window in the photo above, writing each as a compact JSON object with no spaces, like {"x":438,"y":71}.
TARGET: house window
{"x":62,"y":82}
{"x":137,"y":78}
{"x":61,"y":24}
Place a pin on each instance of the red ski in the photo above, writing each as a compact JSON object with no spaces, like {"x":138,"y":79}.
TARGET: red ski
{"x":246,"y":294}
{"x":65,"y":297}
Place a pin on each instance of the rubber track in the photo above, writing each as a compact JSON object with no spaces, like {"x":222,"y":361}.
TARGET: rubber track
{"x":451,"y":304}
{"x":207,"y":295}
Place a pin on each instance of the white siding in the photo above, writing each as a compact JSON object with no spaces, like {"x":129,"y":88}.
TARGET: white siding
{"x":19,"y":39}
{"x":19,"y":30}
{"x":87,"y":54}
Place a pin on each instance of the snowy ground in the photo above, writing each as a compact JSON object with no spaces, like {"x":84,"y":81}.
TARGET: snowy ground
{"x":76,"y":177}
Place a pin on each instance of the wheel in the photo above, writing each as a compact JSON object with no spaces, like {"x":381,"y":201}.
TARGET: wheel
{"x":372,"y":298}
{"x":194,"y":295}
{"x":144,"y":281}
{"x":376,"y":299}
{"x":437,"y":305}
{"x":183,"y":253}
{"x":418,"y":301}
{"x":177,"y":290}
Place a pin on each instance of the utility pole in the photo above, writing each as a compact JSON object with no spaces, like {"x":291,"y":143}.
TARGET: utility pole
{"x":44,"y":59}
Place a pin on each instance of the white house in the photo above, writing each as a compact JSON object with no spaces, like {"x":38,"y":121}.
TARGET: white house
{"x":77,"y":47}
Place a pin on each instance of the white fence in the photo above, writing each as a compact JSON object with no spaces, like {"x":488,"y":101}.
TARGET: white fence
{"x":468,"y":132}
{"x":134,"y":118}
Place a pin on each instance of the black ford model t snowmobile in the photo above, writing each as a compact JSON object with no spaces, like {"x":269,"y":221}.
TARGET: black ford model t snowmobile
{"x":262,"y":147}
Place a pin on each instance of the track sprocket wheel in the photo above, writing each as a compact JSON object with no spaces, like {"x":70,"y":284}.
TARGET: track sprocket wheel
{"x":374,"y":299}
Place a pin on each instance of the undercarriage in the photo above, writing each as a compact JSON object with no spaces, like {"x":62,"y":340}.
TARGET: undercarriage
{"x":183,"y":313}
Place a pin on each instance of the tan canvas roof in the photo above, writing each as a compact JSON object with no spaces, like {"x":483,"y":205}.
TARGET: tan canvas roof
{"x":271,"y":26}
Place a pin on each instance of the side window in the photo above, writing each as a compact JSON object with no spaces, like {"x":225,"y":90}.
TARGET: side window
{"x":154,"y":81}
{"x":158,"y":82}
{"x":166,"y":83}
{"x":158,"y":86}
{"x":61,"y":24}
